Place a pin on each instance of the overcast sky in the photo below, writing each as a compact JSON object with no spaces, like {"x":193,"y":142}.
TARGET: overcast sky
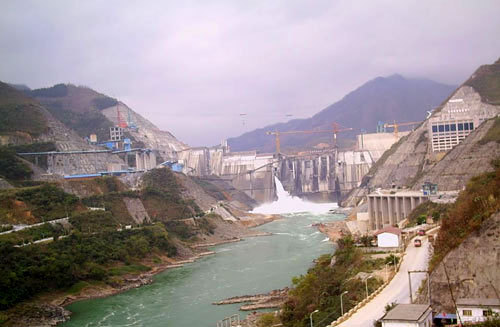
{"x":192,"y":67}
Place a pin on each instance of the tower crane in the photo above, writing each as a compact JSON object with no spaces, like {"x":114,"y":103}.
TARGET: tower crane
{"x":336,"y":128}
{"x":397,"y":125}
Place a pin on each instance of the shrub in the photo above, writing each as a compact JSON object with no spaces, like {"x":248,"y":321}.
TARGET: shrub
{"x":11,"y":167}
{"x":473,"y":206}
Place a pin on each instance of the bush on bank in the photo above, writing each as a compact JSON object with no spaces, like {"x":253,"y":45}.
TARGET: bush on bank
{"x":27,"y":271}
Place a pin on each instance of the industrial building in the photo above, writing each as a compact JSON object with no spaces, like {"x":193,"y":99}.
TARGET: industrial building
{"x":388,"y":208}
{"x":462,"y":114}
{"x":408,"y":315}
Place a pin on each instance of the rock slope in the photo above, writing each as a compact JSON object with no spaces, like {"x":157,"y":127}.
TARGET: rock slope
{"x":411,"y":161}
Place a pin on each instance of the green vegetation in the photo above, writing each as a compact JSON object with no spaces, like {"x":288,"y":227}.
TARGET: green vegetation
{"x":486,"y":81}
{"x":321,"y":287}
{"x":104,"y":102}
{"x":56,"y":91}
{"x":391,"y":260}
{"x":418,"y":216}
{"x":19,"y":115}
{"x":162,"y":197}
{"x":36,"y":204}
{"x":35,"y":147}
{"x":11,"y":167}
{"x":113,"y":202}
{"x":27,"y":271}
{"x":211,"y":189}
{"x":4,"y":228}
{"x":493,"y":134}
{"x":128,"y":269}
{"x":474,"y":205}
{"x":94,"y":221}
{"x":33,"y":234}
{"x":84,"y":123}
{"x":268,"y":320}
{"x":48,"y":201}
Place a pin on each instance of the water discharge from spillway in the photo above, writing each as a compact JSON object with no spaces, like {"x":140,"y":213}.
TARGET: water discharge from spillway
{"x":291,"y":204}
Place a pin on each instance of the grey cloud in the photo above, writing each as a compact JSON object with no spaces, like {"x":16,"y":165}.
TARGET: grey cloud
{"x":193,"y":66}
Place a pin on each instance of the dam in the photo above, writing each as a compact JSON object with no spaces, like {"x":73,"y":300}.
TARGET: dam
{"x":320,"y":176}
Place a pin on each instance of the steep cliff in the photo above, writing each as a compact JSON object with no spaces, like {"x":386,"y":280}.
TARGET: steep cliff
{"x":147,"y":133}
{"x":24,"y":120}
{"x":411,"y":161}
{"x":472,"y":268}
{"x":90,"y":112}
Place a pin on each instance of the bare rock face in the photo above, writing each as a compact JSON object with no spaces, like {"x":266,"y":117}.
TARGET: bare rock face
{"x":468,"y":159}
{"x":136,"y":210}
{"x":147,"y":132}
{"x":472,"y":268}
{"x":66,"y":139}
{"x":410,"y":162}
{"x":4,"y":184}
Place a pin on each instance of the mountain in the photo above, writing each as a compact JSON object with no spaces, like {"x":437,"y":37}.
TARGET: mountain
{"x":89,"y":112}
{"x":392,"y":98}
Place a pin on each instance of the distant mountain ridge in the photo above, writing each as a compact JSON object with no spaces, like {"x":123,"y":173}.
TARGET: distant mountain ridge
{"x":392,"y":98}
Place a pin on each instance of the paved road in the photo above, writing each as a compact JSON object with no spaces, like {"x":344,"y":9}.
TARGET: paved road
{"x":398,"y":290}
{"x":17,"y":228}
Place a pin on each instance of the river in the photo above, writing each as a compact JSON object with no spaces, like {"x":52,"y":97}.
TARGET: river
{"x":183,"y":296}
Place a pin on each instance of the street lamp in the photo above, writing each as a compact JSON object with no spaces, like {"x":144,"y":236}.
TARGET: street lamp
{"x":311,"y":316}
{"x":366,"y":284}
{"x":341,"y":303}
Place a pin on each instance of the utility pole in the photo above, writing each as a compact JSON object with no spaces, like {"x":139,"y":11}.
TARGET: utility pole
{"x":366,"y":284}
{"x":428,"y":283}
{"x":311,"y":317}
{"x":342,"y":304}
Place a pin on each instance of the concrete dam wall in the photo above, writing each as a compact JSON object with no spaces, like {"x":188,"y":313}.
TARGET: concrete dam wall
{"x":318,"y":176}
{"x":326,"y":176}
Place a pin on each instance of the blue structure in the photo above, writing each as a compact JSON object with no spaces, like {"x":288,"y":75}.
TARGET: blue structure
{"x":127,"y":144}
{"x":174,"y":165}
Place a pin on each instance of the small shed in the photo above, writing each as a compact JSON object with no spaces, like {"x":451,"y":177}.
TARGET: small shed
{"x":408,"y":315}
{"x":476,"y":310}
{"x":388,"y":237}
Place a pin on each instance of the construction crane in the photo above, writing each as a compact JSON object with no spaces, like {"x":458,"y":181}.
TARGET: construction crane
{"x":121,"y":122}
{"x":397,"y":125}
{"x":336,"y":128}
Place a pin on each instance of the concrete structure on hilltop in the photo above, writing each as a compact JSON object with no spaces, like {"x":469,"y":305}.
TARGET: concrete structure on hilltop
{"x":463,"y":113}
{"x":408,"y":315}
{"x":378,"y":143}
{"x":388,"y":208}
{"x":477,"y":310}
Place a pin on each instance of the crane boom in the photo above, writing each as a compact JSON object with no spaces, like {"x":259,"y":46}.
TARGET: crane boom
{"x":396,"y":125}
{"x":337,"y":128}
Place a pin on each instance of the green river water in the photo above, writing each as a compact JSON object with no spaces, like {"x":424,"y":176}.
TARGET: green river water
{"x":182,"y":296}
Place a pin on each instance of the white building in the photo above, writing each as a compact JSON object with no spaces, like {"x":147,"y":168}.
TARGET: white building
{"x":408,"y":315}
{"x":476,"y":310}
{"x":388,"y":237}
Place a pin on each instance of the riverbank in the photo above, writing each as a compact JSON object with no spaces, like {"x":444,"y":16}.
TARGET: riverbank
{"x":48,"y":309}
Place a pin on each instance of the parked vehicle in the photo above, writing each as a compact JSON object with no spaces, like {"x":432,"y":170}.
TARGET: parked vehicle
{"x":417,"y":242}
{"x":421,"y":232}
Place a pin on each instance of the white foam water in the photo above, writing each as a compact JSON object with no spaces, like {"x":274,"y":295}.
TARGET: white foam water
{"x":292,"y":204}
